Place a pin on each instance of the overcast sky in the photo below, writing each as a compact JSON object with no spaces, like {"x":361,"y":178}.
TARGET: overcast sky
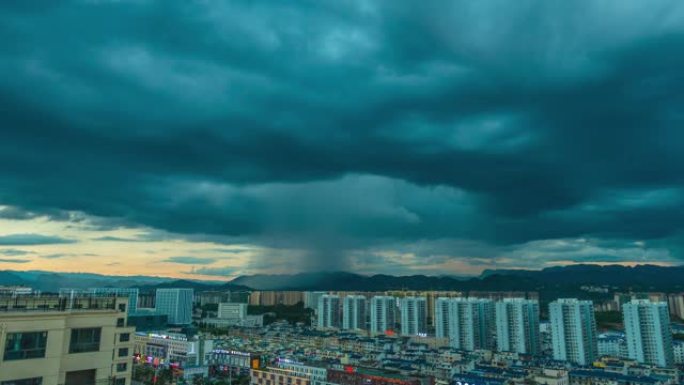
{"x":213,"y":139}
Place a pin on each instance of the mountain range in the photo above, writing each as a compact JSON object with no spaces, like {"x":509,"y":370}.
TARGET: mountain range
{"x":553,"y":280}
{"x":641,"y":277}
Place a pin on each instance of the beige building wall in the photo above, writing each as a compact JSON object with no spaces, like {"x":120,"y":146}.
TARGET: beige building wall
{"x":57,"y":362}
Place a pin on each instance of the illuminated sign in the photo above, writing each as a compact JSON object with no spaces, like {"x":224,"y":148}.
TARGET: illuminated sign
{"x":256,"y":363}
{"x":232,"y":352}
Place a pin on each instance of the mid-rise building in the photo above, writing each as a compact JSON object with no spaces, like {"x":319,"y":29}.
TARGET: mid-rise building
{"x":328,"y":312}
{"x":318,"y":374}
{"x":361,"y":376}
{"x":573,"y":331}
{"x":232,"y":310}
{"x":678,"y":350}
{"x":176,"y":304}
{"x":468,"y":323}
{"x":277,"y":376}
{"x":676,"y":304}
{"x":649,"y":337}
{"x":612,"y":344}
{"x":517,"y":326}
{"x":173,"y":348}
{"x":50,"y":340}
{"x":383,"y":314}
{"x":13,"y":291}
{"x":354,"y":312}
{"x":413,"y":316}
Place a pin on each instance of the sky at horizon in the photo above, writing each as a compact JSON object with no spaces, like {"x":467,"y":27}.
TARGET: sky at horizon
{"x":199,"y":139}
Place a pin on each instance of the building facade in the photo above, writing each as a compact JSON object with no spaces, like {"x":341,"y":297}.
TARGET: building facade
{"x":573,"y":331}
{"x":468,"y":323}
{"x":383,"y":314}
{"x":49,"y":340}
{"x":413,"y":316}
{"x":176,"y":304}
{"x":232,"y":310}
{"x":649,"y":337}
{"x":517,"y":326}
{"x":328,"y":312}
{"x":354,"y":312}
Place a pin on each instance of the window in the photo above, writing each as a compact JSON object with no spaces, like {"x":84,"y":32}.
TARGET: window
{"x":121,"y":367}
{"x":123,"y":352}
{"x":80,"y":377}
{"x":120,"y":381}
{"x":25,"y":381}
{"x":122,"y":307}
{"x":21,"y":346}
{"x":85,"y":340}
{"x":120,"y":322}
{"x":124,"y":337}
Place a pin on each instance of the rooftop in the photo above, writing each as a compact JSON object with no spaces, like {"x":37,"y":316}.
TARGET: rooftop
{"x":44,"y":303}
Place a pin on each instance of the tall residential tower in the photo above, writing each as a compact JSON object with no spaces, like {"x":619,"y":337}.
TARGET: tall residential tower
{"x":354,"y":312}
{"x":573,"y":331}
{"x":517,"y":326}
{"x":649,"y":337}
{"x":383,"y":313}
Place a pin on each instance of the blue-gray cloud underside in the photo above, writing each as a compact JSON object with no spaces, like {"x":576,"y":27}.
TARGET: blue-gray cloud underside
{"x":190,"y":260}
{"x":32,"y":239}
{"x":349,"y":125}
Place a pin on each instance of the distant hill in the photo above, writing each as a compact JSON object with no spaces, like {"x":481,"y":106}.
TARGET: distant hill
{"x":52,"y":282}
{"x":551,"y":282}
{"x":195,"y":285}
{"x":556,"y":279}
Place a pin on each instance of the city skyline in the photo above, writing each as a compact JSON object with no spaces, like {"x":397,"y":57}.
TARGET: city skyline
{"x":207,"y":141}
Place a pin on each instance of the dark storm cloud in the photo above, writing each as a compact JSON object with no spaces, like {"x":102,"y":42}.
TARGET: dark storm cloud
{"x":32,"y":239}
{"x":333,"y":126}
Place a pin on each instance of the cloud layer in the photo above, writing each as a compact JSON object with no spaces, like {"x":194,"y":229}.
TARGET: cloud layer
{"x":350,"y":130}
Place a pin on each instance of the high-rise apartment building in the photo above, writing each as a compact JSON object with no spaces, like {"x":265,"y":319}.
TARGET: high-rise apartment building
{"x":50,"y":340}
{"x":413,"y":316}
{"x":647,"y":328}
{"x":517,"y":326}
{"x":176,"y":304}
{"x":383,"y":313}
{"x":328,"y":312}
{"x":573,"y":331}
{"x":468,"y":323}
{"x":354,"y":312}
{"x":311,"y":299}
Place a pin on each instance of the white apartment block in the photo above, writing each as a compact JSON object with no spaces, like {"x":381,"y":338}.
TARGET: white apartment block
{"x":383,"y":313}
{"x":354,"y":312}
{"x":328,"y":312}
{"x":468,"y":323}
{"x":573,"y":331}
{"x":517,"y":326}
{"x":232,"y":310}
{"x":413,"y":316}
{"x":649,"y":337}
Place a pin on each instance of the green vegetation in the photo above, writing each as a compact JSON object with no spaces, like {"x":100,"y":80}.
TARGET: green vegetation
{"x":609,"y":319}
{"x":290,"y":313}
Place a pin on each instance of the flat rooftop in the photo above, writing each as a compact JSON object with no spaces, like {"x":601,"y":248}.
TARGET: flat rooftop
{"x":44,"y":303}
